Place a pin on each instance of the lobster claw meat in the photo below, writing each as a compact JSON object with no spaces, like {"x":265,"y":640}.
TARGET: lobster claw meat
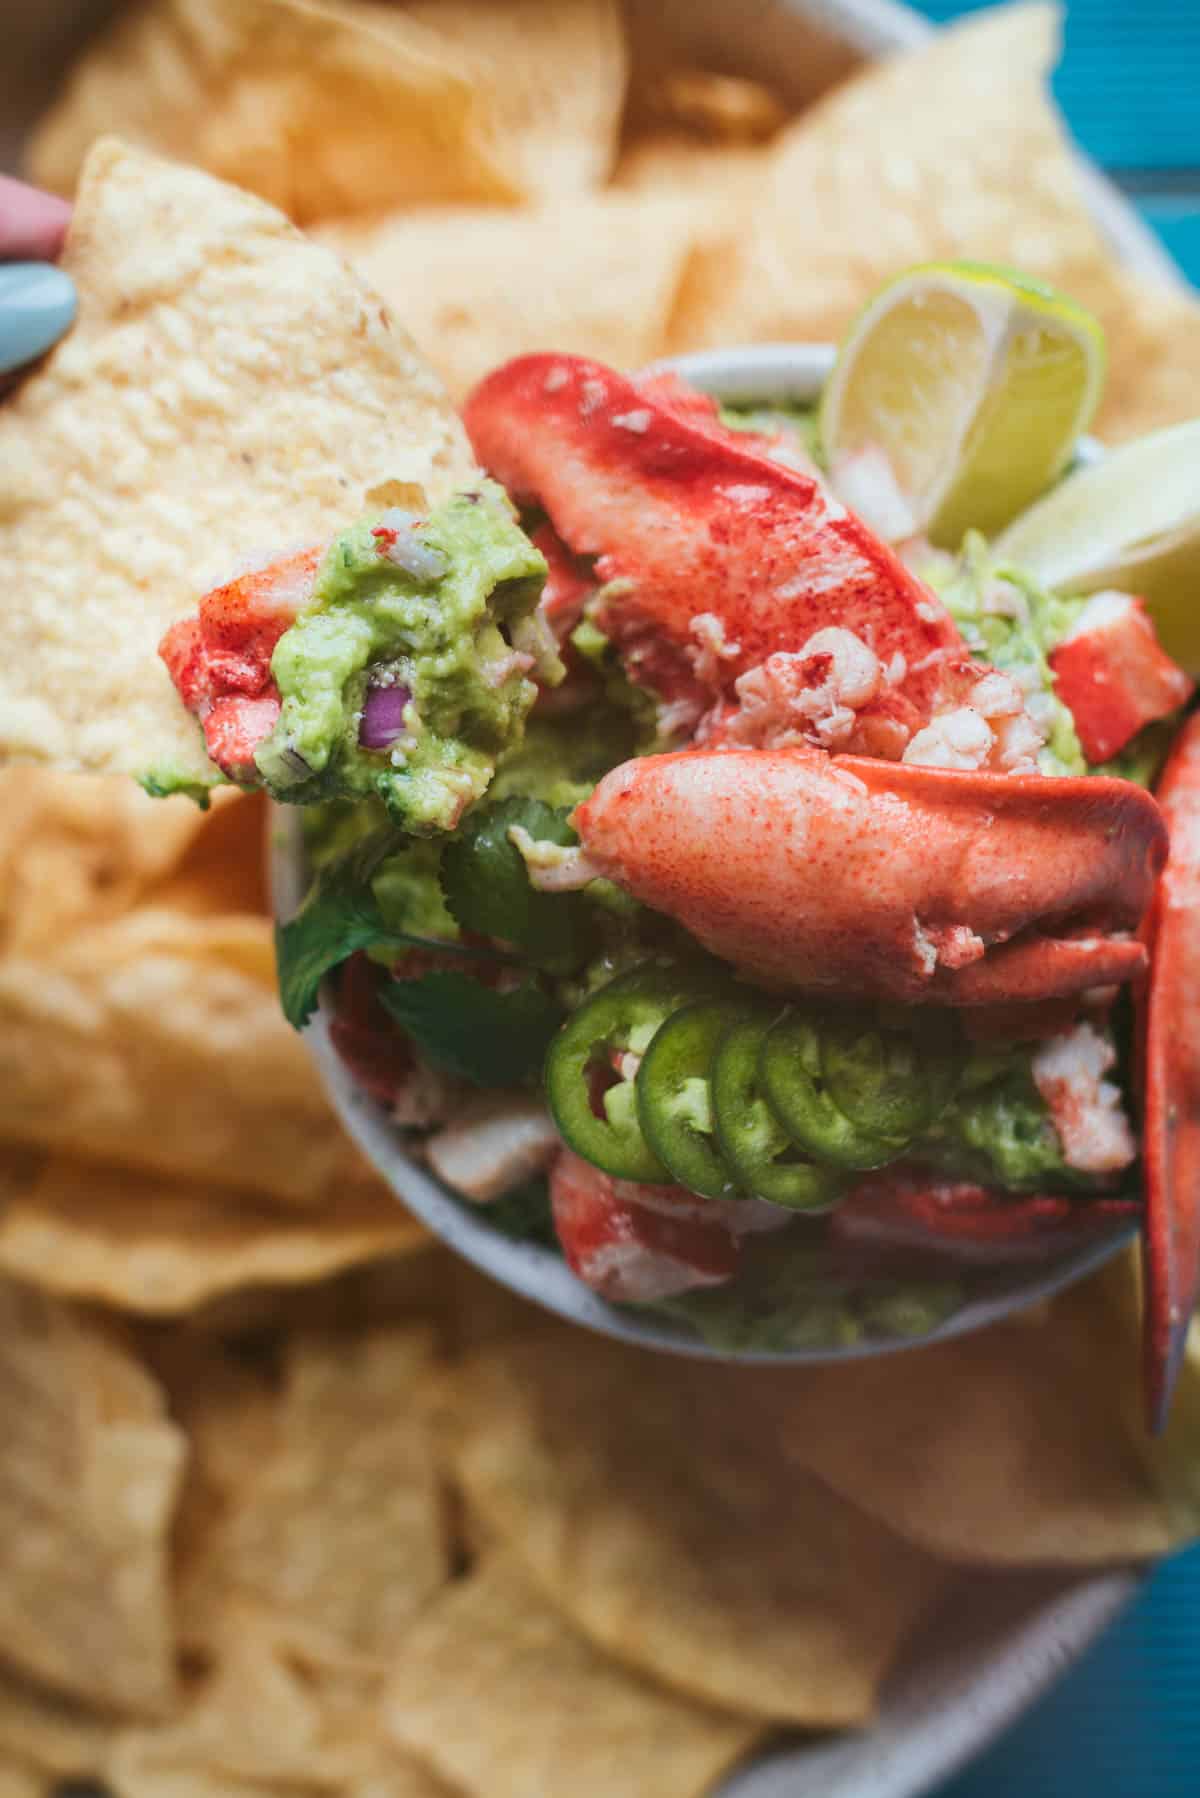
{"x":712,"y":554}
{"x":1113,"y":675}
{"x":906,"y":1208}
{"x":220,"y":657}
{"x":633,"y":1245}
{"x":881,"y":879}
{"x":1171,"y":1068}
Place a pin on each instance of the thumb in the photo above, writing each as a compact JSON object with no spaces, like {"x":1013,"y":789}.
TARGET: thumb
{"x":32,"y":224}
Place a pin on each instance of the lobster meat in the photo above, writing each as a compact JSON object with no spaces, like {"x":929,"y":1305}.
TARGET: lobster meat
{"x":860,"y":809}
{"x":1114,"y":676}
{"x":220,"y":657}
{"x":907,"y":1208}
{"x":879,"y":880}
{"x":709,"y":554}
{"x":636,"y":1244}
{"x":1171,"y":1070}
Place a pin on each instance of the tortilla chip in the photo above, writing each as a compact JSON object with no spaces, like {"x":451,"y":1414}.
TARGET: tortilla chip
{"x":1154,"y":359}
{"x":137,"y":1242}
{"x":503,"y":1699}
{"x":51,"y":1733}
{"x":650,"y":1501}
{"x":548,"y":79}
{"x":337,"y":1529}
{"x":88,"y":1482}
{"x":229,"y":390}
{"x":597,"y":277}
{"x":222,"y":868}
{"x":670,"y":162}
{"x":156,"y":1041}
{"x":1019,"y":1445}
{"x":18,"y":1780}
{"x":260,"y":1715}
{"x":725,"y":109}
{"x":952,"y":149}
{"x":75,"y":848}
{"x":320,"y":108}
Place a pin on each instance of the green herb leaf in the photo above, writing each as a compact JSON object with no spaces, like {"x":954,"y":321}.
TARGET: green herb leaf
{"x":471,"y":1030}
{"x":488,"y":890}
{"x":340,"y":916}
{"x":523,"y":1213}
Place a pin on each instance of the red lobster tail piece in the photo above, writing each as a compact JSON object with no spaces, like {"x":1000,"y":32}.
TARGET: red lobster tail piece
{"x":1171,"y":1050}
{"x":690,"y":524}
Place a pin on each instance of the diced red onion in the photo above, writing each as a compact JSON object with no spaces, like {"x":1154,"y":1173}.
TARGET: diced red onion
{"x":383,"y":716}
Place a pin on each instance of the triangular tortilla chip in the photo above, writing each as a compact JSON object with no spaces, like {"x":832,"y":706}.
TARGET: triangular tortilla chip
{"x":500,"y":1695}
{"x":74,"y":848}
{"x":88,"y":1483}
{"x":953,"y":149}
{"x":652,"y":1503}
{"x":156,"y":1041}
{"x":230,"y":389}
{"x":160,"y":1247}
{"x":337,"y":1529}
{"x":51,"y":1733}
{"x":548,"y":83}
{"x":1019,"y":1445}
{"x":320,"y":108}
{"x":595,"y":277}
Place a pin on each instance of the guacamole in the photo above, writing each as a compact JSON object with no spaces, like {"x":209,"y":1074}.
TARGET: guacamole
{"x":438,"y":643}
{"x":1012,"y":623}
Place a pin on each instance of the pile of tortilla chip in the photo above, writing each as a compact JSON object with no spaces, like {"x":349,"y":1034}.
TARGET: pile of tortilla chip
{"x":292,"y":1505}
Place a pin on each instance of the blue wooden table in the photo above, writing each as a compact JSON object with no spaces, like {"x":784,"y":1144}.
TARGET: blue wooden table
{"x":1126,"y":1722}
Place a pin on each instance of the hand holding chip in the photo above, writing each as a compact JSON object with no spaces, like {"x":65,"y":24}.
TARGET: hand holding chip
{"x":37,"y":300}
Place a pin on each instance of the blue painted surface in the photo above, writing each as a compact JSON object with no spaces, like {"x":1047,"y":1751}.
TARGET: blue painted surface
{"x":1129,"y":84}
{"x":1126,"y":1722}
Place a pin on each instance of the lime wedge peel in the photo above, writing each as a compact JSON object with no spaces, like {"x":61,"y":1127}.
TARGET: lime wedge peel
{"x":1131,"y":521}
{"x":974,"y":383}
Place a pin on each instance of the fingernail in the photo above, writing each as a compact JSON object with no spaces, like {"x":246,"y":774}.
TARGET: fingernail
{"x":37,"y":304}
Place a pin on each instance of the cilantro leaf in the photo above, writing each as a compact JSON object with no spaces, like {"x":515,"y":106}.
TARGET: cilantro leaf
{"x":487,"y":887}
{"x":524,"y":1213}
{"x":473,"y":1031}
{"x":340,"y":915}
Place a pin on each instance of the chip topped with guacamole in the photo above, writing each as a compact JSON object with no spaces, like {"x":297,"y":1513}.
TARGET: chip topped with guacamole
{"x":230,"y":390}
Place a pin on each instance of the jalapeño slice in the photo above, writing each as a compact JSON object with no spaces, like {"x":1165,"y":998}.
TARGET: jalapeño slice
{"x":591,"y":1096}
{"x":752,"y":1141}
{"x":891,"y":1078}
{"x":795,"y":1088}
{"x":674,"y":1098}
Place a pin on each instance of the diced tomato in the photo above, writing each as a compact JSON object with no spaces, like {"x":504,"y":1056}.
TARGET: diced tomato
{"x":364,"y":1035}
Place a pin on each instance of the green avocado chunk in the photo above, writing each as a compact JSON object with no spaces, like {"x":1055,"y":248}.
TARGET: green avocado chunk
{"x":441,"y":609}
{"x":1011,"y":622}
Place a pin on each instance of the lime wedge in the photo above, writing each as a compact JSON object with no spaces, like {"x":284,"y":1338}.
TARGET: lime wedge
{"x":1131,"y":521}
{"x":973,"y":383}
